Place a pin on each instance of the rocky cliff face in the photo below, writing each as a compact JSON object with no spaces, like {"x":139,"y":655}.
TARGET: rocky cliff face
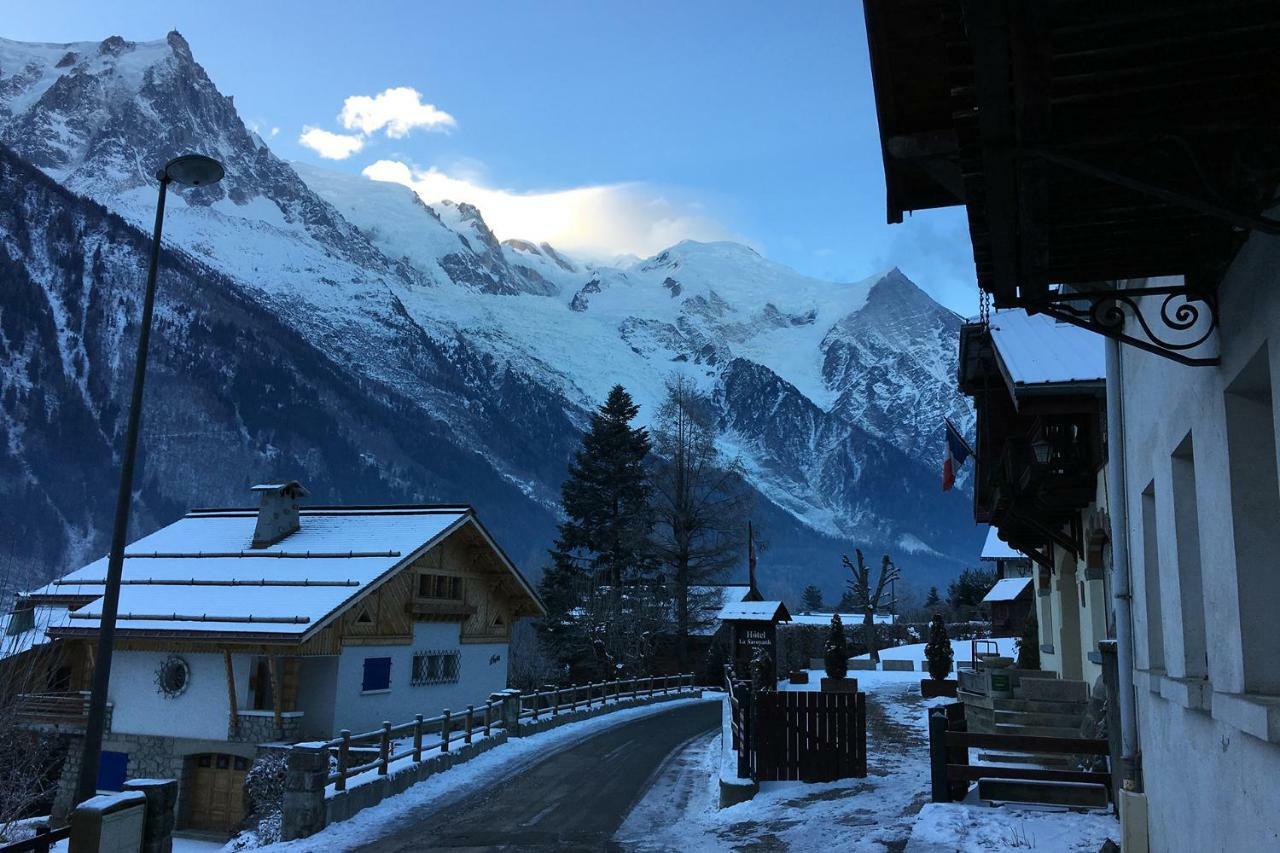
{"x":330,"y":328}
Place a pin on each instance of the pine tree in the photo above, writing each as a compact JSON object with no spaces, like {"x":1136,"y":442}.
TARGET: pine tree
{"x":1029,"y":642}
{"x":938,"y":651}
{"x":933,"y":599}
{"x":966,"y":592}
{"x":836,"y":654}
{"x":606,"y":496}
{"x":811,"y":598}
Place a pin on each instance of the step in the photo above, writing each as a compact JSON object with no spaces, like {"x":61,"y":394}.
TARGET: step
{"x":1038,"y":731}
{"x":1039,"y":759}
{"x":1054,"y":690}
{"x":1034,"y":718}
{"x":1089,"y":795}
{"x":1038,"y":706}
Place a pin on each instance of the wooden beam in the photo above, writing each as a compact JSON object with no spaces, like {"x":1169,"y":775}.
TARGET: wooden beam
{"x":231,"y":691}
{"x":974,"y":772}
{"x":1028,"y":743}
{"x":276,"y":690}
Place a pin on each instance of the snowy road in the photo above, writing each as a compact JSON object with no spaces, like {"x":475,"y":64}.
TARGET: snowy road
{"x":575,"y":799}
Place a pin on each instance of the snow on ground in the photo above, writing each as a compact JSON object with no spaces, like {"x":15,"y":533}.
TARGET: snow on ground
{"x":944,"y":828}
{"x":888,"y":810}
{"x":461,"y":781}
{"x":961,"y":650}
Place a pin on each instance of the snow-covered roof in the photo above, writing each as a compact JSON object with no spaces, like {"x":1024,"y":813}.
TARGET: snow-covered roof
{"x":712,"y":600}
{"x":996,"y":549}
{"x":200,"y":574}
{"x":1035,"y":349}
{"x":1007,"y":589}
{"x":755,"y":611}
{"x":846,"y":618}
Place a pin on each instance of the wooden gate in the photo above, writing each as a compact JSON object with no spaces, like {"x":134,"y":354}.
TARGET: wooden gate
{"x":215,"y":785}
{"x":810,"y":736}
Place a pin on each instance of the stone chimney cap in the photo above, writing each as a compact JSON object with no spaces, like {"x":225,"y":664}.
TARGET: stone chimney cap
{"x":290,"y":487}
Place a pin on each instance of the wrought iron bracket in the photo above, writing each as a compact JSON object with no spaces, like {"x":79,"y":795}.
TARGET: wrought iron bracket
{"x":1169,"y":321}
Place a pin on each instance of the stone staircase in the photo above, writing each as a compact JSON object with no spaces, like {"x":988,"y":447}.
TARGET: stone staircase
{"x":1042,"y":704}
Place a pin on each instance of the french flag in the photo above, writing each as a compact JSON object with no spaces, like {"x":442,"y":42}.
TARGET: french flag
{"x":958,"y":450}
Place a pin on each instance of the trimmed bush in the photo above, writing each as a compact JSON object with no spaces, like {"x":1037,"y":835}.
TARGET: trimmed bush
{"x":836,"y":653}
{"x":938,"y":650}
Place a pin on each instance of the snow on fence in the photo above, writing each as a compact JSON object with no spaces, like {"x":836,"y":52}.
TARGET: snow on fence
{"x":332,"y":780}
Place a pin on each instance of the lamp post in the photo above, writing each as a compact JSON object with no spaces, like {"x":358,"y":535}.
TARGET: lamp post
{"x":193,"y":170}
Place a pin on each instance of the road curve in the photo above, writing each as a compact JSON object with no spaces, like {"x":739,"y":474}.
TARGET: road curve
{"x":573,"y":800}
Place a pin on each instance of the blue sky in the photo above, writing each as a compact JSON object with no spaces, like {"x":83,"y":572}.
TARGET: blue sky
{"x":624,"y":125}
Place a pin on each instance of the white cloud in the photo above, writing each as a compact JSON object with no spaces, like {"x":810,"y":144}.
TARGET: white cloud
{"x":399,"y":110}
{"x":331,"y":146}
{"x":596,"y":221}
{"x":275,"y":131}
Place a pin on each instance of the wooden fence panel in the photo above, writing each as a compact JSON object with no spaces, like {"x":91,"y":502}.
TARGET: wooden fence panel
{"x":810,"y":736}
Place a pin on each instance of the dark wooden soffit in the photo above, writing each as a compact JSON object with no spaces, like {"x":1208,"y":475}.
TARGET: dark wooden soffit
{"x":1095,"y":141}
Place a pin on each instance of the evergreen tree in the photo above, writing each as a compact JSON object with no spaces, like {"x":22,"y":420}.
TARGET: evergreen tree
{"x":811,"y":599}
{"x":606,"y":496}
{"x":1029,"y":642}
{"x":848,"y":602}
{"x":604,"y":537}
{"x":966,"y":592}
{"x":933,"y":600}
{"x":836,"y":654}
{"x":938,"y":652}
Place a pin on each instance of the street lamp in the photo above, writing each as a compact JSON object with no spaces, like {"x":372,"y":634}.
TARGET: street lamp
{"x":193,"y":170}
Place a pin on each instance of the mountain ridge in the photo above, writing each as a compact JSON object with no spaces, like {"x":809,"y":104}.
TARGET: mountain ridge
{"x":830,"y":394}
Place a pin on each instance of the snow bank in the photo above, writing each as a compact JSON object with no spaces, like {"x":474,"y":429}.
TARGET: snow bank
{"x":948,"y":827}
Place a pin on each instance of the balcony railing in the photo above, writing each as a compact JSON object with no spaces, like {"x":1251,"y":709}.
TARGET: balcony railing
{"x":65,"y":709}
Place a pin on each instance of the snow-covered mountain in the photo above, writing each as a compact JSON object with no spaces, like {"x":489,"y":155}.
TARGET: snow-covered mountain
{"x":462,"y":366}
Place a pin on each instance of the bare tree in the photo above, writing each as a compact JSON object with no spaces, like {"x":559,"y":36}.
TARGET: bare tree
{"x":528,"y":664}
{"x":867,"y":598}
{"x":700,"y":503}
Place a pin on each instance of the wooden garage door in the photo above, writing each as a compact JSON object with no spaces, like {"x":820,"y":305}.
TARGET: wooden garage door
{"x":216,"y":791}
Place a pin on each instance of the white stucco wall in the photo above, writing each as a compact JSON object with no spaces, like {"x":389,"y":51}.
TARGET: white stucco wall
{"x":1211,"y":783}
{"x":201,"y":711}
{"x":365,"y":712}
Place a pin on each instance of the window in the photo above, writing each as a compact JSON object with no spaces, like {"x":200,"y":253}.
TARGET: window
{"x":435,"y":667}
{"x":1255,"y":515}
{"x":1186,"y":531}
{"x":440,"y":586}
{"x":377,"y":675}
{"x":1151,"y":575}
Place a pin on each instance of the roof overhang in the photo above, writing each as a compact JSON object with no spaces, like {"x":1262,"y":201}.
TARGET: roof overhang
{"x":1097,"y":143}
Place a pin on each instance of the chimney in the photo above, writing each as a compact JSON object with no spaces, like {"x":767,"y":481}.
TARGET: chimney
{"x":278,"y":512}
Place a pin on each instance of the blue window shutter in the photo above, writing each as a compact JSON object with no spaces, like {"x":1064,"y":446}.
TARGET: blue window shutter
{"x":377,"y":674}
{"x":113,"y":768}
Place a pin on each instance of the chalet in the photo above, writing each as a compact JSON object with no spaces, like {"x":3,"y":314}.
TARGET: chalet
{"x":1007,"y":562}
{"x":1118,"y":165}
{"x":241,"y":628}
{"x":1039,"y":391}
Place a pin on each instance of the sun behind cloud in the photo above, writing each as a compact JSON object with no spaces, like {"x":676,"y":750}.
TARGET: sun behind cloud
{"x":599,"y":222}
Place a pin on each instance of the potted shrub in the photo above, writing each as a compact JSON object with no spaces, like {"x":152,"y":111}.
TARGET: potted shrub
{"x":939,"y":658}
{"x":836,"y":658}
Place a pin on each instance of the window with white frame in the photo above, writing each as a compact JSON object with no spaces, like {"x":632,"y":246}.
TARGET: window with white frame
{"x":435,"y":667}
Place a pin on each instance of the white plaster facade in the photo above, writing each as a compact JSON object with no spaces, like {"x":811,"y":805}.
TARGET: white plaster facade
{"x":478,"y":676}
{"x":1203,"y":509}
{"x":200,"y":711}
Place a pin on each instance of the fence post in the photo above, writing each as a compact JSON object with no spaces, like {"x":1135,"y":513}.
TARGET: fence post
{"x":471,"y":710}
{"x":384,"y":748}
{"x":162,"y":796}
{"x":444,"y":731}
{"x":488,"y":716}
{"x":650,"y":686}
{"x":940,"y":787}
{"x":508,"y":702}
{"x":41,"y":846}
{"x":303,"y":812}
{"x":537,"y":704}
{"x":344,"y":761}
{"x":555,"y":700}
{"x":417,"y":737}
{"x":590,"y":689}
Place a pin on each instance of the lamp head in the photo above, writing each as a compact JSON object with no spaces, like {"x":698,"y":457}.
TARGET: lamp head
{"x":192,"y":170}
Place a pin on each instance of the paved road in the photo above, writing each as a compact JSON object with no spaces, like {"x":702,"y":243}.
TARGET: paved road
{"x":574,"y":800}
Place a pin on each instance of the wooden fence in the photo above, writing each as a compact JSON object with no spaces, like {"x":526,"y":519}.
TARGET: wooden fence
{"x":385,"y":743}
{"x":40,"y":842}
{"x":357,"y":753}
{"x":798,"y":735}
{"x":951,"y":772}
{"x":555,"y":700}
